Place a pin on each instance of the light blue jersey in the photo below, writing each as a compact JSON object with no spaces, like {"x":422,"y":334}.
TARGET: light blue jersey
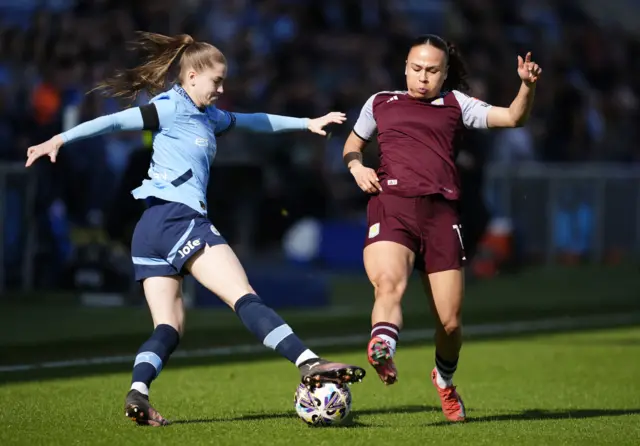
{"x":184,"y":142}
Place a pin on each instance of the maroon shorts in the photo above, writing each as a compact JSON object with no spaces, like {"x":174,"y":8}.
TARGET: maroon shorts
{"x":429,"y":226}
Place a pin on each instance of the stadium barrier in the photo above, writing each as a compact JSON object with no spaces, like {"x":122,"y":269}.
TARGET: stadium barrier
{"x":549,"y":212}
{"x":586,"y":212}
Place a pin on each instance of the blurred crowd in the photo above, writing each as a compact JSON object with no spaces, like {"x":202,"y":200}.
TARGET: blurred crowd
{"x":302,"y":58}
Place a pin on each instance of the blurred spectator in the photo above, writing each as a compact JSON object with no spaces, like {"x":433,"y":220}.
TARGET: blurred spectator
{"x":304,"y":58}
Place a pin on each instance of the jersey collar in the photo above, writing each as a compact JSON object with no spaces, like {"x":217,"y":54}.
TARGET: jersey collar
{"x":181,"y":91}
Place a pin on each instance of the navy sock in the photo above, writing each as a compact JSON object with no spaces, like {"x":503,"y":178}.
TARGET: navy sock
{"x":446,"y":369}
{"x":271,"y":329}
{"x":152,"y":356}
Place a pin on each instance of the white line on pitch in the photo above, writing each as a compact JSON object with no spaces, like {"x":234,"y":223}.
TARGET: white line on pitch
{"x":517,"y":327}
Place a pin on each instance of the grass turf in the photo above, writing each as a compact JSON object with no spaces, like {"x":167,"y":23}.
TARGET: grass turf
{"x":561,"y":389}
{"x":578,"y":388}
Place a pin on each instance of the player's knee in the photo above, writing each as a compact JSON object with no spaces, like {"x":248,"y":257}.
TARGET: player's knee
{"x":231,"y":298}
{"x":248,"y":289}
{"x":450,"y":324}
{"x":389,"y":287}
{"x":176,"y":323}
{"x":180,"y":322}
{"x":244,"y":290}
{"x":180,"y":329}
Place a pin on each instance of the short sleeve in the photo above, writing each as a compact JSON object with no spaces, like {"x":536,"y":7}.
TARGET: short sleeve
{"x":365,"y":126}
{"x":225,"y":121}
{"x":474,"y":111}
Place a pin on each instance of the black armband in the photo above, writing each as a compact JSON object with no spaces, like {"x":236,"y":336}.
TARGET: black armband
{"x":352,"y":156}
{"x":150,"y":118}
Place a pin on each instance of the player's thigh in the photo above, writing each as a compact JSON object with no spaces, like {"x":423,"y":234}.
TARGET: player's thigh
{"x":391,"y":243}
{"x":442,"y":234}
{"x":444,"y":259}
{"x":219,"y":270}
{"x":388,"y":265}
{"x":203,"y":252}
{"x":164,"y":297}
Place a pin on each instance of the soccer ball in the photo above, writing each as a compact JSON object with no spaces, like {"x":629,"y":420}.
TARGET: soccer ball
{"x":326,"y":405}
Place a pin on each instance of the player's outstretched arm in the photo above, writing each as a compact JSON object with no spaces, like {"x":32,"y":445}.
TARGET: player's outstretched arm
{"x":148,"y":117}
{"x":518,"y":112}
{"x":267,"y":123}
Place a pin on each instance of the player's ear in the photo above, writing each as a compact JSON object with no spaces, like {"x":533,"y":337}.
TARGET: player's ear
{"x":191,"y":77}
{"x":446,"y":74}
{"x":406,"y":64}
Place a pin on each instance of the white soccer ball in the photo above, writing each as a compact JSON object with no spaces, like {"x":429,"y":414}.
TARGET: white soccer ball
{"x":329,"y":404}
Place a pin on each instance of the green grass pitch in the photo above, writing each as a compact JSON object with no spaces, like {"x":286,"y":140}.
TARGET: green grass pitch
{"x":575,"y":389}
{"x":559,"y":388}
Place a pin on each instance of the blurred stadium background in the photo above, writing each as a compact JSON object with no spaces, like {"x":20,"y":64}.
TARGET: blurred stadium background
{"x":553,"y":210}
{"x":566,"y":188}
{"x":555,"y":201}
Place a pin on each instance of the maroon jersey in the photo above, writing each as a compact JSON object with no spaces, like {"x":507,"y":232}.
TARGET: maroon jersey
{"x":417,"y":139}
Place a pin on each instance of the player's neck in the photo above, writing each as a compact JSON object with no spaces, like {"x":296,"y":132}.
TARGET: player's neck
{"x":193,"y":97}
{"x":429,"y":98}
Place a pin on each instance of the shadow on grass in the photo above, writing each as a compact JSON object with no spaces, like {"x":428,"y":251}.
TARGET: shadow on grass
{"x":352,"y":422}
{"x":541,"y":414}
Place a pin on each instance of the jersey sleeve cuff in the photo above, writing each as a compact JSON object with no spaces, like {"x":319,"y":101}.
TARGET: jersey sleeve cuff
{"x":359,"y":136}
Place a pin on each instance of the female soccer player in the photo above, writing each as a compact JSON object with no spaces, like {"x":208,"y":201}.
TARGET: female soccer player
{"x":174,"y":237}
{"x":412,"y":212}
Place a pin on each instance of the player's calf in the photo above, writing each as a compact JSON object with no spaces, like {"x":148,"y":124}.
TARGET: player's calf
{"x":276,"y":334}
{"x":152,"y":356}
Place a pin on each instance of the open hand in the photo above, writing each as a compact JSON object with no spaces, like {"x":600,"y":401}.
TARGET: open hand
{"x":50,"y":147}
{"x":317,"y":125}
